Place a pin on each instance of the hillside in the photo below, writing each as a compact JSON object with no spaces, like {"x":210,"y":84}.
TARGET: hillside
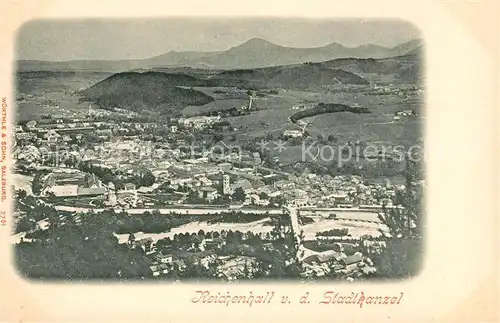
{"x":150,"y":91}
{"x":404,"y":68}
{"x":292,"y":77}
{"x":410,"y":74}
{"x":254,"y":53}
{"x":360,"y":66}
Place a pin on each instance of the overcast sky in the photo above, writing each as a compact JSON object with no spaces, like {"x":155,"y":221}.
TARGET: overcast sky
{"x":129,"y":39}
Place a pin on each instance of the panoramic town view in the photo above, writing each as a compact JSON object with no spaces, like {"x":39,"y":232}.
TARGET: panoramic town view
{"x":254,"y":150}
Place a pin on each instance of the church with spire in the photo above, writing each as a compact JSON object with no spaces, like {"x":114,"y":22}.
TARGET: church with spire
{"x":91,"y":112}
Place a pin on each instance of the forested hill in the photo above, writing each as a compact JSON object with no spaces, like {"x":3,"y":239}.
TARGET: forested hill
{"x":152,"y":91}
{"x":292,"y":76}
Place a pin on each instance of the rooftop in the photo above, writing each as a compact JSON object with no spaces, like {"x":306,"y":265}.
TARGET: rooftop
{"x":352,"y":259}
{"x":208,"y":189}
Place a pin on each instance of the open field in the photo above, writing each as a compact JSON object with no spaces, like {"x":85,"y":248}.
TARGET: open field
{"x":67,"y":106}
{"x":34,"y":82}
{"x":38,"y":88}
{"x":194,"y":227}
{"x":356,"y":228}
{"x":377,"y":126}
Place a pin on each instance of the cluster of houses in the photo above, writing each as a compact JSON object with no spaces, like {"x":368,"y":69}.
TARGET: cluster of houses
{"x":198,"y":122}
{"x":164,"y":262}
{"x":72,"y":183}
{"x":203,"y":171}
{"x":403,"y":113}
{"x":293,"y":133}
{"x":318,"y":264}
{"x":313,"y":264}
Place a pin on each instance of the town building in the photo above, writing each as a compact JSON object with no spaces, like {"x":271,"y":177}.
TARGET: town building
{"x":198,"y":122}
{"x":207,"y":193}
{"x":352,"y":262}
{"x":293,"y":133}
{"x":406,"y":112}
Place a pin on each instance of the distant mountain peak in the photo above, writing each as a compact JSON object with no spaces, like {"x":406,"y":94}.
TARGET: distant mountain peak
{"x":334,"y":44}
{"x":258,"y":40}
{"x":253,"y":42}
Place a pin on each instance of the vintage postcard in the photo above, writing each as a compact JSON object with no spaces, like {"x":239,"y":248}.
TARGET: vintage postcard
{"x":214,"y":166}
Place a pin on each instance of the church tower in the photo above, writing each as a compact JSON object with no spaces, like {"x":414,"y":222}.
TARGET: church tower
{"x":225,"y":185}
{"x":91,"y":111}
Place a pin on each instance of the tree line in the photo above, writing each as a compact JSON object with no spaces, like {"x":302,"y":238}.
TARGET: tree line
{"x":322,"y":108}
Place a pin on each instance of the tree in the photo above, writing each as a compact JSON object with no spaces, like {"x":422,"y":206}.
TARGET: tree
{"x":163,"y":244}
{"x":332,"y":138}
{"x":401,"y":259}
{"x":246,"y":270}
{"x":37,"y":184}
{"x":279,"y":201}
{"x":90,"y":252}
{"x":21,"y":194}
{"x":230,"y":235}
{"x":405,"y":222}
{"x":238,"y":236}
{"x":402,"y":256}
{"x":217,"y":137}
{"x":396,"y":222}
{"x":263,"y":196}
{"x":293,"y":270}
{"x":193,"y":194}
{"x":145,"y":178}
{"x":25,"y":224}
{"x":281,"y":227}
{"x":239,"y":195}
{"x":131,"y":238}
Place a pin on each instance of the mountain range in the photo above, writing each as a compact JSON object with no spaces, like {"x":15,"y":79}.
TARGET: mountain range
{"x":254,"y":53}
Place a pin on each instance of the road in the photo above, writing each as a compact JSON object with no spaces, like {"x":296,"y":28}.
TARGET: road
{"x":292,"y":211}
